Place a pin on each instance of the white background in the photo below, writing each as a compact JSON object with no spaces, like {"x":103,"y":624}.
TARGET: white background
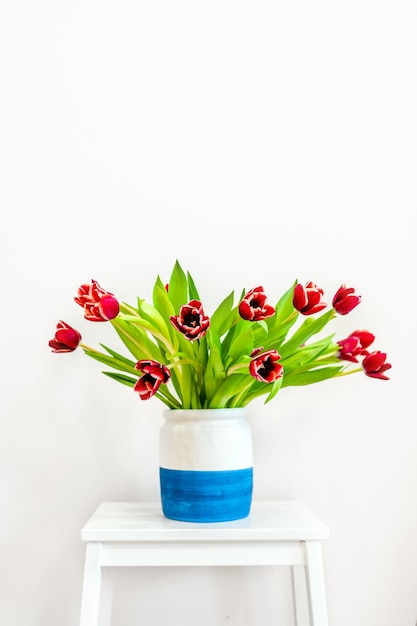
{"x":257,"y":142}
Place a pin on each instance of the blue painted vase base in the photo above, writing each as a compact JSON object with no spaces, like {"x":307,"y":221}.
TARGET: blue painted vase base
{"x":206,"y":496}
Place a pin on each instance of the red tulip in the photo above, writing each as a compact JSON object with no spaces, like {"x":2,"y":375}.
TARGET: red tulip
{"x":66,"y":338}
{"x":345,"y":300}
{"x":191,"y":321}
{"x":154,"y":375}
{"x":265,"y":367}
{"x":355,"y":345}
{"x":307,"y":300}
{"x":99,"y":305}
{"x":374,"y":365}
{"x":254,"y":306}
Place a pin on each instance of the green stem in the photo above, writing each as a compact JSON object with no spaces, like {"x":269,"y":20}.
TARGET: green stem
{"x":85,"y":347}
{"x":347,"y":372}
{"x":128,"y":309}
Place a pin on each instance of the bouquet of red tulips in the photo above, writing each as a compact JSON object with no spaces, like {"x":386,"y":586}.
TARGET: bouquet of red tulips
{"x":242,"y":351}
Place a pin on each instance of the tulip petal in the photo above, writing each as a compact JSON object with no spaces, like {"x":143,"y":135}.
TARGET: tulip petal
{"x":300,"y":299}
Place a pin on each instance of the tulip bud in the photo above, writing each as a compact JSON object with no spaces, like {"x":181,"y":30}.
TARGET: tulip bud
{"x":345,"y":300}
{"x":99,"y":305}
{"x":66,"y":338}
{"x":374,"y":365}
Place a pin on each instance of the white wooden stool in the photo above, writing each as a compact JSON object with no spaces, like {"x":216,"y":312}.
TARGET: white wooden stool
{"x":137,"y":534}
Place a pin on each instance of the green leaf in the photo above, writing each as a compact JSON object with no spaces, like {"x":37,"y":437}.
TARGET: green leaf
{"x":149,"y":330}
{"x":153,"y":316}
{"x":136,"y":339}
{"x":262,"y":325}
{"x":214,"y":372}
{"x":284,"y":308}
{"x":256,"y":390}
{"x":178,"y":288}
{"x":310,"y":377}
{"x":280,"y":324}
{"x":276,"y":386}
{"x":110,"y":361}
{"x":307,"y":355}
{"x":161,"y":300}
{"x":260,"y":334}
{"x":118,"y":356}
{"x":164,"y":306}
{"x":169,"y":401}
{"x":192,"y":289}
{"x":225,"y":316}
{"x":162,"y":394}
{"x":242,"y":344}
{"x":227,"y":342}
{"x":121,"y":378}
{"x":230,"y":387}
{"x":240,"y":366}
{"x":311,"y":326}
{"x":175,"y":383}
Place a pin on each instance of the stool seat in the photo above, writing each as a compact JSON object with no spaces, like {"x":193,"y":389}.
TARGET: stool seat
{"x":137,"y":534}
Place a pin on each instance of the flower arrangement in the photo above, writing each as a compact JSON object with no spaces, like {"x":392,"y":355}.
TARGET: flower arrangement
{"x":244,"y":350}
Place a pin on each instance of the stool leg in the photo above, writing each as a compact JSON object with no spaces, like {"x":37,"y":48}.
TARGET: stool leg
{"x":90,"y":603}
{"x":105,"y":613}
{"x":299,"y":588}
{"x":315,"y":584}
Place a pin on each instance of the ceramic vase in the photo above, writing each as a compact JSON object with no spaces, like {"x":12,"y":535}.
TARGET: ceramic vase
{"x":206,"y":465}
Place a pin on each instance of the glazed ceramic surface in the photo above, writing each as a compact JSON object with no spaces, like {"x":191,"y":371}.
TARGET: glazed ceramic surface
{"x":206,"y":463}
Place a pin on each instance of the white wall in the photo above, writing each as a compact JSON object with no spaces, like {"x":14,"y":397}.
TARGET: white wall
{"x":258,"y":142}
